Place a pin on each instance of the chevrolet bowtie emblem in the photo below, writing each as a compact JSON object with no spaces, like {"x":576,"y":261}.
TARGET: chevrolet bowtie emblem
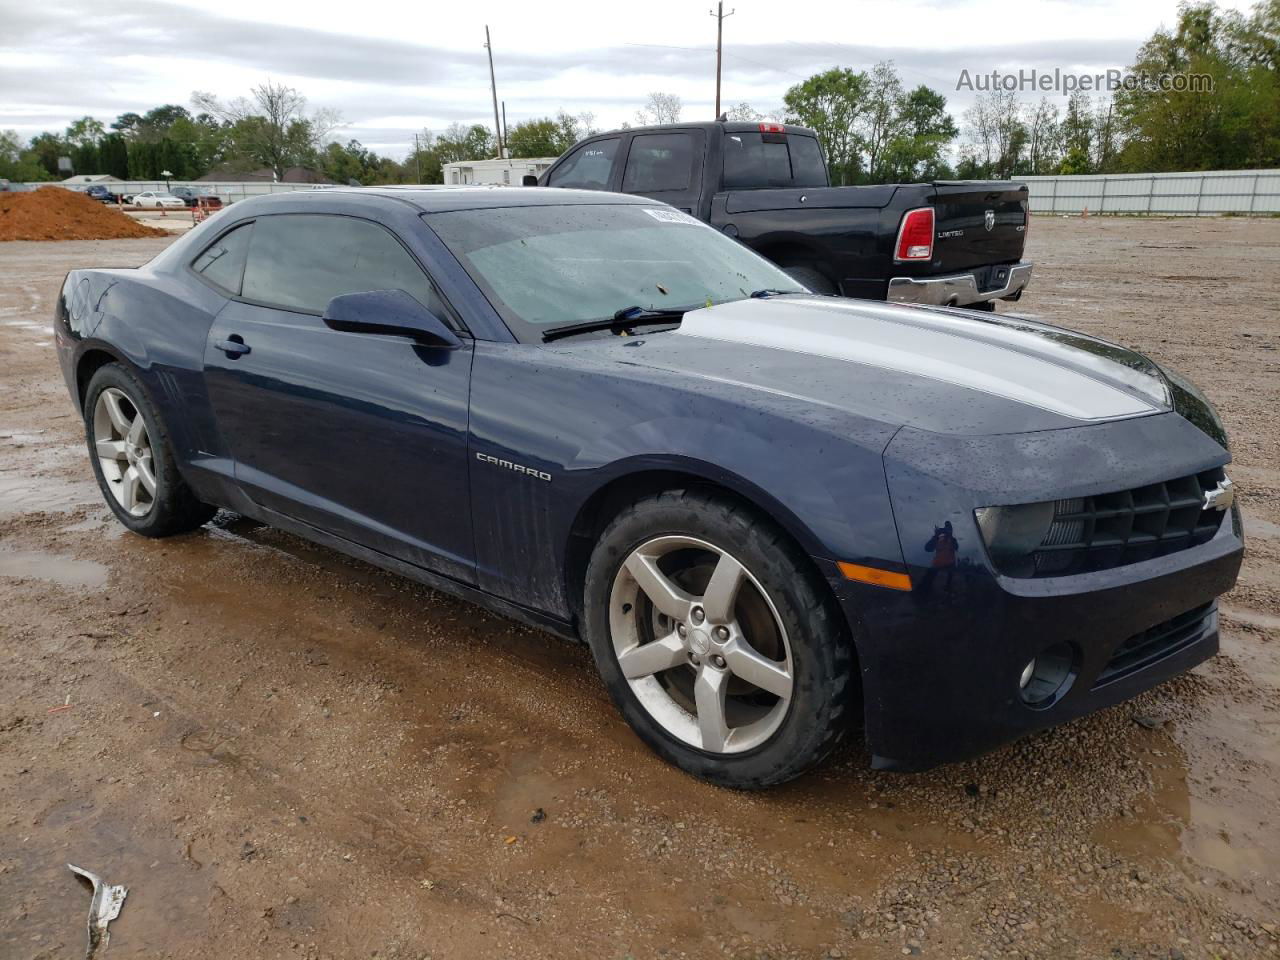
{"x":1220,"y":497}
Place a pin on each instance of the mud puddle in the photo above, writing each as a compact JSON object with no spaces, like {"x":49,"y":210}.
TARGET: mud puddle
{"x":63,"y":570}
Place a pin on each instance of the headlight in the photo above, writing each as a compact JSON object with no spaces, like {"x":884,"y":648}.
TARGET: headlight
{"x":1192,"y":405}
{"x":1012,"y":534}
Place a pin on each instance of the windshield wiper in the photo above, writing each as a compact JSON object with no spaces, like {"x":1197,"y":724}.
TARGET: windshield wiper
{"x":622,"y":320}
{"x":770,"y":292}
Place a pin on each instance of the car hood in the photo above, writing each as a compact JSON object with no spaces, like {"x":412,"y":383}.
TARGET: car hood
{"x":948,"y":371}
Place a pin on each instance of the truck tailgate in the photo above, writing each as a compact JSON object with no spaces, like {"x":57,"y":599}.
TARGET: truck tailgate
{"x":978,"y":223}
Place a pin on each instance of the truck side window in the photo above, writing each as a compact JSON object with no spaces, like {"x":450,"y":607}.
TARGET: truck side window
{"x":659,"y":162}
{"x":587,"y":168}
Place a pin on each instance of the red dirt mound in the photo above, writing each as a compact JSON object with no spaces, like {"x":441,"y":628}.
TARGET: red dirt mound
{"x":55,"y":213}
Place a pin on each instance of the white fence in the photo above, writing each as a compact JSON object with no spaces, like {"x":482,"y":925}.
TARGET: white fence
{"x":1211,"y":193}
{"x":229,"y":192}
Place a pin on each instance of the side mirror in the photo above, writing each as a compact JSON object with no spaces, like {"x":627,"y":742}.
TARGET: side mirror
{"x":390,"y":312}
{"x":529,"y":180}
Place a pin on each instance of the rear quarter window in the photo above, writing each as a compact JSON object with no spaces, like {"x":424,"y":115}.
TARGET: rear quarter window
{"x":222,"y":262}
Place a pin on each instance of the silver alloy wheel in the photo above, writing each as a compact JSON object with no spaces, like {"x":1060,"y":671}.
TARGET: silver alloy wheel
{"x":701,"y":644}
{"x":123,"y":448}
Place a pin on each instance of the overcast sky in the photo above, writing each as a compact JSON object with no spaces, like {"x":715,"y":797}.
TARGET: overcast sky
{"x":392,"y":68}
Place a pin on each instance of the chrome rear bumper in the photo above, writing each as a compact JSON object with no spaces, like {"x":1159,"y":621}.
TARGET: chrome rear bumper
{"x":959,"y":289}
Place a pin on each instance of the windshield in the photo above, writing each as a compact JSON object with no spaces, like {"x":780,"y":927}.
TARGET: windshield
{"x":544,"y":267}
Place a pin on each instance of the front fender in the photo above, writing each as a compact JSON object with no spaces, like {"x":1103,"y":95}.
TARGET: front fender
{"x":831,"y":498}
{"x":544,"y":416}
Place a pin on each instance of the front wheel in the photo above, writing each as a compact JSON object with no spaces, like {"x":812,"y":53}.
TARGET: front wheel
{"x":716,"y":641}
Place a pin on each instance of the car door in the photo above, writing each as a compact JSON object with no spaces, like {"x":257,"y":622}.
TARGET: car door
{"x":359,"y":434}
{"x":666,"y":166}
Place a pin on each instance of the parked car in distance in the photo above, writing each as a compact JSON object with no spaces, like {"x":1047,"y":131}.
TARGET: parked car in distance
{"x":153,"y":198}
{"x":951,"y":243}
{"x":198,"y":196}
{"x":99,"y":192}
{"x":768,"y":513}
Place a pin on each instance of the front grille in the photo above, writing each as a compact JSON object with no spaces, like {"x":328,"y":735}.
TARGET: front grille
{"x":1155,"y":643}
{"x":1113,"y":529}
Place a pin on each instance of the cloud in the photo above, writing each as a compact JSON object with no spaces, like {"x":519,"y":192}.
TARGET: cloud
{"x":65,"y":59}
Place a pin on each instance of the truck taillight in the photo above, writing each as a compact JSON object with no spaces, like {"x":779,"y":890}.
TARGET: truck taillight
{"x":772,"y":128}
{"x":915,"y":236}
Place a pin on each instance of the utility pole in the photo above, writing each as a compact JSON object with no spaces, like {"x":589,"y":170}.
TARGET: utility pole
{"x":504,"y":121}
{"x":417,"y":156}
{"x":493,"y":86}
{"x":719,"y":14}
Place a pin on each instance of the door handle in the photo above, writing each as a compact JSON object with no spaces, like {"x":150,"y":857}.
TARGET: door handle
{"x":233,"y":346}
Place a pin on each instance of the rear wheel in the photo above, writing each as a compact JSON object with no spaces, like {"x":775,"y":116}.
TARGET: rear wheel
{"x":812,"y":279}
{"x":132,"y":459}
{"x":715,"y":641}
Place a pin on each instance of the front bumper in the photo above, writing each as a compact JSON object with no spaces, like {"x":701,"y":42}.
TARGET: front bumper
{"x":946,"y":686}
{"x":940,"y":664}
{"x":960,"y":289}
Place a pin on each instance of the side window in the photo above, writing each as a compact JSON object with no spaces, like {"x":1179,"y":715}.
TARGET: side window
{"x":658,"y":162}
{"x":302,"y":261}
{"x":587,"y":168}
{"x":222,"y":262}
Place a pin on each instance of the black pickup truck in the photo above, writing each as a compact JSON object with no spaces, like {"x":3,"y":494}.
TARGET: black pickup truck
{"x":956,"y":243}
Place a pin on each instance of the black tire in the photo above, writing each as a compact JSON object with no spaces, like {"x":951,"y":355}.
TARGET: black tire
{"x":821,"y":648}
{"x":812,"y":279}
{"x":174,"y":508}
{"x":986,"y":306}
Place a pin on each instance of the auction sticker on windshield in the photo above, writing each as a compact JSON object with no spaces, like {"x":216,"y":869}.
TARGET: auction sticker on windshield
{"x":670,"y":216}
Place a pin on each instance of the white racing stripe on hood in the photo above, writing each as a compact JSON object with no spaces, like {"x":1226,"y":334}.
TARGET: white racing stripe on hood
{"x":862,"y":337}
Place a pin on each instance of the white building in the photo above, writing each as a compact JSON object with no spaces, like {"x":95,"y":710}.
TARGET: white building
{"x":85,"y":179}
{"x":509,"y":172}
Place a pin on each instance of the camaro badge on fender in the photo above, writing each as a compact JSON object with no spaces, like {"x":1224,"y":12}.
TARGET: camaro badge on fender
{"x":514,"y":467}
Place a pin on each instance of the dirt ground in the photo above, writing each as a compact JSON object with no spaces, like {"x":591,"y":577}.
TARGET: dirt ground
{"x":284,"y":753}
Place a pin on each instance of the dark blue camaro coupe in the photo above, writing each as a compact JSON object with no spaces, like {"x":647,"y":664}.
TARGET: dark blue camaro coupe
{"x":770,"y":514}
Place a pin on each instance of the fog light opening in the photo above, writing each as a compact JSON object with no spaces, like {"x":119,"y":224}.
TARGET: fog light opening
{"x":1027,"y":671}
{"x":1048,"y":676}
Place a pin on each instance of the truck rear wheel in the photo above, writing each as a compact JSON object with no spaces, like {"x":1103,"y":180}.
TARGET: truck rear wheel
{"x":812,"y":279}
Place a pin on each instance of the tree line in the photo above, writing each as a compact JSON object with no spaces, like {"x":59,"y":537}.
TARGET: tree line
{"x":1149,"y":126}
{"x":873,"y":128}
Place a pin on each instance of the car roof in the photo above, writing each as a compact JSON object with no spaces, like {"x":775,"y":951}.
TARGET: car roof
{"x":438,"y":199}
{"x":727,"y":126}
